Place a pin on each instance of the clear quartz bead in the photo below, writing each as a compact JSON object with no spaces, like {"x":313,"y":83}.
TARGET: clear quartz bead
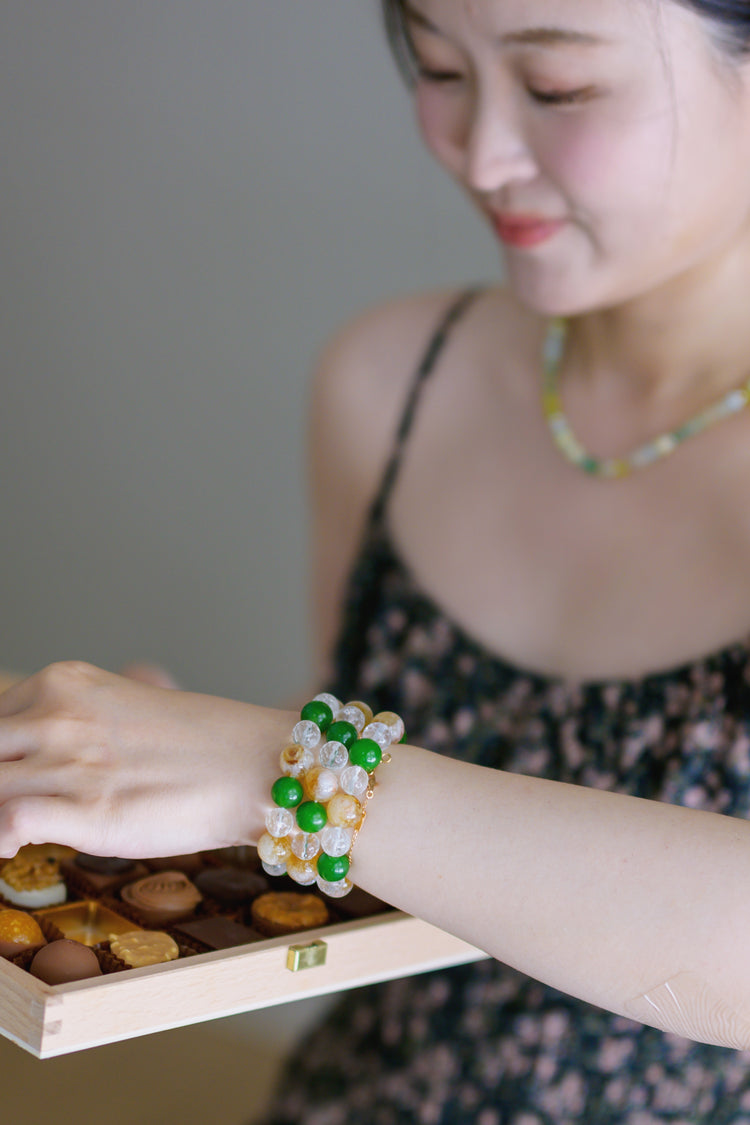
{"x":274,"y":869}
{"x":303,"y":871}
{"x":394,"y":722}
{"x":354,"y":780}
{"x":294,"y":760}
{"x":279,"y":822}
{"x":335,"y":841}
{"x":364,"y":708}
{"x":275,"y":852}
{"x":334,"y":890}
{"x":305,"y":845}
{"x":306,"y":733}
{"x":379,"y":733}
{"x":330,"y":700}
{"x":333,"y":756}
{"x":321,"y":784}
{"x":352,"y":714}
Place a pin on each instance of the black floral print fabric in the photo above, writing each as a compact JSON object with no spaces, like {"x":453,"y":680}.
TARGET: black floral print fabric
{"x":482,"y":1043}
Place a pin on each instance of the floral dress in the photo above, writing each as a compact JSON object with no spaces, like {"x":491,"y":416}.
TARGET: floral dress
{"x":482,"y":1043}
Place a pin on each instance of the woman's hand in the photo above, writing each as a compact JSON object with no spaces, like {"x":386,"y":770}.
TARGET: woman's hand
{"x":113,"y":766}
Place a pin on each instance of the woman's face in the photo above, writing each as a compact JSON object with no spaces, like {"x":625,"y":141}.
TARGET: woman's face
{"x":607,"y":141}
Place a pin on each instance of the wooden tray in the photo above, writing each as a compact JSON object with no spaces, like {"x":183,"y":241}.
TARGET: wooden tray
{"x":56,"y":1020}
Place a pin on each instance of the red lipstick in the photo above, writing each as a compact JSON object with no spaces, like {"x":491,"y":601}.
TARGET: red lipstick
{"x":525,"y":231}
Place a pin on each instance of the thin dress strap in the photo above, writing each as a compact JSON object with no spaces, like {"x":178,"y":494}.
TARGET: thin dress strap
{"x":450,"y":317}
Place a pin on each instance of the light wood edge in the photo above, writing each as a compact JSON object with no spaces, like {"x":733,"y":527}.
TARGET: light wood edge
{"x":86,"y":1014}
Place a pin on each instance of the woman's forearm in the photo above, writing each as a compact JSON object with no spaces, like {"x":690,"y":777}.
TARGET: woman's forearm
{"x":636,"y":906}
{"x":640,"y":907}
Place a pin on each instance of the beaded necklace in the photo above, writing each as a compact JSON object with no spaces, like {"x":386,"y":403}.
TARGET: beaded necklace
{"x":614,"y":467}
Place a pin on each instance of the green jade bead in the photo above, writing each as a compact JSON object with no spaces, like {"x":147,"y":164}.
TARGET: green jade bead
{"x":318,"y":712}
{"x":366,"y":753}
{"x":342,"y":731}
{"x":333,"y":868}
{"x":311,"y":816}
{"x":287,"y":792}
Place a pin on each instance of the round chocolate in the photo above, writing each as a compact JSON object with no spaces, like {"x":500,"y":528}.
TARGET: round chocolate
{"x":144,"y":947}
{"x":63,"y":961}
{"x":282,"y":912}
{"x":162,"y":897}
{"x":104,"y":864}
{"x":18,"y":931}
{"x":231,"y":886}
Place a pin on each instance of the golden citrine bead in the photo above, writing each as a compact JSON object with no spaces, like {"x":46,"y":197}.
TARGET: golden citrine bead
{"x":344,"y":811}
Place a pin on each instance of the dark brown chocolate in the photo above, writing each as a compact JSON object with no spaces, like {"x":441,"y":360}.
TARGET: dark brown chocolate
{"x":360,"y":904}
{"x":104,"y":864}
{"x":231,"y":886}
{"x":218,"y":933}
{"x":95,"y":875}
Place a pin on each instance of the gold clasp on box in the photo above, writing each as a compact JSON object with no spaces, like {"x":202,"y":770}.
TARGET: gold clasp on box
{"x":306,"y":956}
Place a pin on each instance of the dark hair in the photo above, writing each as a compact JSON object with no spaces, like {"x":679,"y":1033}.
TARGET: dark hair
{"x":729,"y":20}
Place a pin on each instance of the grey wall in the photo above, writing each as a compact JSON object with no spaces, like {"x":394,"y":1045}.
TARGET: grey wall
{"x":194,"y":195}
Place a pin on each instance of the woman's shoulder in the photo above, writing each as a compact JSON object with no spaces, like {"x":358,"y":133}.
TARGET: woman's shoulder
{"x":370,"y":362}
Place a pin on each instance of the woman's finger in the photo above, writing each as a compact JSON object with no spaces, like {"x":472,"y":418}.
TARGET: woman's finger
{"x":37,"y":819}
{"x":17,"y":697}
{"x":19,"y":736}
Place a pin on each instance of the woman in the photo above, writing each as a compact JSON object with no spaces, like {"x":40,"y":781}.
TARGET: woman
{"x":559,"y":601}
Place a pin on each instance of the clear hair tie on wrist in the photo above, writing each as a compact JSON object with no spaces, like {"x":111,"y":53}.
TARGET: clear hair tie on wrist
{"x":320,"y":799}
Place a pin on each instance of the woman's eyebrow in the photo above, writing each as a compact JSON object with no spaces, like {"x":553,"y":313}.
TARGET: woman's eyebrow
{"x":529,"y":36}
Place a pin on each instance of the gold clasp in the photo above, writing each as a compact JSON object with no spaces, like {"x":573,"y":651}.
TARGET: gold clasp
{"x":306,"y":956}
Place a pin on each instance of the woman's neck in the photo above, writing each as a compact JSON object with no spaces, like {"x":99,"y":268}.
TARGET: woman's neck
{"x":687,"y":342}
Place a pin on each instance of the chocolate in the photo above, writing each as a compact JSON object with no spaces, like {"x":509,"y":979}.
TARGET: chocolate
{"x":104,"y":864}
{"x":231,"y":886}
{"x":162,"y":898}
{"x":218,"y":933}
{"x":95,"y":875}
{"x":63,"y":961}
{"x":18,"y":931}
{"x":286,"y":912}
{"x":32,"y":881}
{"x":144,"y":947}
{"x":189,"y":863}
{"x":360,"y":904}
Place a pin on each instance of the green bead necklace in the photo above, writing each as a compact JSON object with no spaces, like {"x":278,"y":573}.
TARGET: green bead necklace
{"x":613,"y":467}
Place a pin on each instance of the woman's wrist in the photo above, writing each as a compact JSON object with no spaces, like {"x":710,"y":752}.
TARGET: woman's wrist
{"x":326,"y":776}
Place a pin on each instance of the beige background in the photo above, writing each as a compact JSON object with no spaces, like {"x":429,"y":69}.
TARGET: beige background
{"x":194,"y":194}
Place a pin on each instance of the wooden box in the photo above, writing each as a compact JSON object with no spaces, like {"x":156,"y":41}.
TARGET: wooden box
{"x":56,"y":1020}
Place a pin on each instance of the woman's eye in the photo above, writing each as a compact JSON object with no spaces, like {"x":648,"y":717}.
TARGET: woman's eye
{"x":430,"y":74}
{"x":561,"y":97}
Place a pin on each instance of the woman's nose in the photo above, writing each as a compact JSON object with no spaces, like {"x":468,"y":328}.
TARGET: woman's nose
{"x":495,"y":151}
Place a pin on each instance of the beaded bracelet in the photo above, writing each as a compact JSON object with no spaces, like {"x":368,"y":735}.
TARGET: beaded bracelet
{"x":320,"y":801}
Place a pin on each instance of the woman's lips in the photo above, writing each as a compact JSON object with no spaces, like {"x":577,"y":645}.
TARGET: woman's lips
{"x":525,"y":230}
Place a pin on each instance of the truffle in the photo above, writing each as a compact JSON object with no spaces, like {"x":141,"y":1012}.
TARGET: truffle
{"x":65,"y":960}
{"x":18,"y":931}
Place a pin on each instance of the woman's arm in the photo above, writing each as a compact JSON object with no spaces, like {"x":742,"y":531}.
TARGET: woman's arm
{"x":636,"y":906}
